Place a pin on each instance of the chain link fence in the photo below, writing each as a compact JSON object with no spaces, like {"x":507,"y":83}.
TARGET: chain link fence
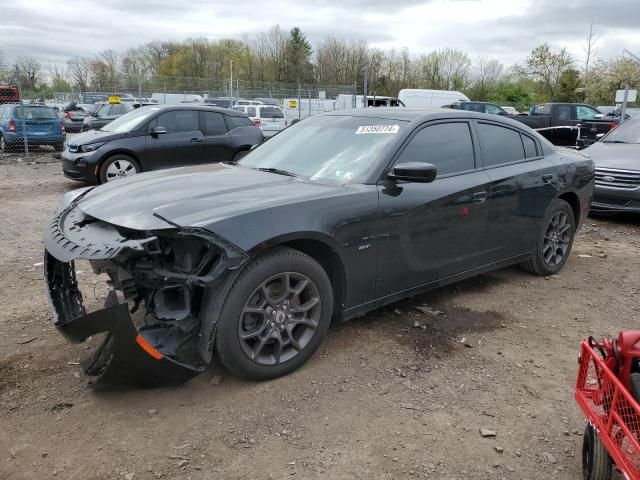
{"x":39,"y":123}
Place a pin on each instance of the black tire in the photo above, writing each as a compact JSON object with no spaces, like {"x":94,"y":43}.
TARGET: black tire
{"x":112,"y":160}
{"x":233,"y":352}
{"x":596,"y":462}
{"x":4,"y":147}
{"x":538,"y":263}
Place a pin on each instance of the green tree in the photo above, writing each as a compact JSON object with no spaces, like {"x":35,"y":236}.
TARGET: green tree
{"x":298,"y":57}
{"x":545,"y":66}
{"x":568,"y":85}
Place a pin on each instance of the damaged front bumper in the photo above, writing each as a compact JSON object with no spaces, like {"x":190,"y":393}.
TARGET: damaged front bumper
{"x":165,"y":293}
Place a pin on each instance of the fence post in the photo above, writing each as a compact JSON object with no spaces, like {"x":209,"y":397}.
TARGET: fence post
{"x":309,"y":102}
{"x":299,"y":106}
{"x":365,"y":87}
{"x":355,"y":95}
{"x":24,"y":124}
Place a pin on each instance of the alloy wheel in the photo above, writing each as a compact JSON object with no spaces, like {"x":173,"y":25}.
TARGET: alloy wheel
{"x":280,"y":318}
{"x":120,"y":168}
{"x":557,"y":239}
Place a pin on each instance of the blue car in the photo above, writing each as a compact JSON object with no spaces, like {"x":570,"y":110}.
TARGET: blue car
{"x":42,"y":126}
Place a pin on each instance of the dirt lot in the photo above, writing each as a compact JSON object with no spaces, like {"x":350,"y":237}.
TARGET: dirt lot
{"x":380,"y":399}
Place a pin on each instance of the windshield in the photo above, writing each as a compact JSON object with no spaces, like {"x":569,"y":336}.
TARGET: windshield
{"x":628,"y":132}
{"x":337,"y":149}
{"x":36,"y":113}
{"x":130,"y":121}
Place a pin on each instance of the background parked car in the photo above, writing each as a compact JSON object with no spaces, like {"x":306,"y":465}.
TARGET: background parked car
{"x":511,"y":110}
{"x":105,"y":114}
{"x":74,"y":115}
{"x":157,"y":137}
{"x":617,"y":160}
{"x":42,"y":126}
{"x":9,"y":94}
{"x":480,"y":107}
{"x":268,"y":117}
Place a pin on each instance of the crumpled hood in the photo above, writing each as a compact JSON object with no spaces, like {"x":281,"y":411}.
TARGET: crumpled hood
{"x":623,"y":156}
{"x":195,"y":196}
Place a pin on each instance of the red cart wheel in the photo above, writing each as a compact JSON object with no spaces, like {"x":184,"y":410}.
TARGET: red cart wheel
{"x":596,"y":462}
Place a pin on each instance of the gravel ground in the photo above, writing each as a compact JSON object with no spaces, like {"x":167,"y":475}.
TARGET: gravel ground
{"x":400,"y":393}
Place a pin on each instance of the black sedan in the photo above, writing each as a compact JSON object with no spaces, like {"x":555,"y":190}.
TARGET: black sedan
{"x":105,"y":114}
{"x":617,"y":160}
{"x":338,"y":215}
{"x":158,"y":137}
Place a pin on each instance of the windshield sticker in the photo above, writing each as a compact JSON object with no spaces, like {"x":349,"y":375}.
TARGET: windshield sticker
{"x":377,"y":129}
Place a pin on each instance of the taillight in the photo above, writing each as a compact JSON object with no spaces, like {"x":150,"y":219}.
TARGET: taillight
{"x":257,"y":122}
{"x":12,"y":126}
{"x":62,"y":127}
{"x":612,"y":125}
{"x":67,"y":115}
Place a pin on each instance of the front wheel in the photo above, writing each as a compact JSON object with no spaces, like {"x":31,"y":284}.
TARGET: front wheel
{"x":596,"y":462}
{"x":555,"y":240}
{"x":275,"y":315}
{"x":118,"y":166}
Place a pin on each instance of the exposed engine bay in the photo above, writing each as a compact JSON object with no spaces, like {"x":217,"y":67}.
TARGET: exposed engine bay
{"x":163,"y":287}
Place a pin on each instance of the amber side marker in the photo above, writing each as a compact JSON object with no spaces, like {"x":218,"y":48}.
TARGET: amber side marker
{"x":148,"y":348}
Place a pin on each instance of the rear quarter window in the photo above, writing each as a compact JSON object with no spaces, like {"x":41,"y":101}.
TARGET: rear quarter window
{"x":237,"y":121}
{"x":499,"y":144}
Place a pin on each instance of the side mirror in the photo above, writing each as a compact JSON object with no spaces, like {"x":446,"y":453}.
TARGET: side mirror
{"x":158,"y":131}
{"x":420,"y":172}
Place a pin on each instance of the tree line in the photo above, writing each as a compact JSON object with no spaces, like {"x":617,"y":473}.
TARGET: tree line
{"x":278,"y":55}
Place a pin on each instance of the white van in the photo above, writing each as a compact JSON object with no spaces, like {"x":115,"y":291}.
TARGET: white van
{"x":269,"y":118}
{"x":420,"y":98}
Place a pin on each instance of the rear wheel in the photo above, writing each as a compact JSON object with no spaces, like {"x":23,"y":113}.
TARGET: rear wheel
{"x":118,"y":166}
{"x":555,"y":240}
{"x":275,"y":315}
{"x":596,"y":462}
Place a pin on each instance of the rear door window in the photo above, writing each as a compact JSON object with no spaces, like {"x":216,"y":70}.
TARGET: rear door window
{"x":448,"y":146}
{"x":179,"y":121}
{"x":493,"y":109}
{"x":499,"y":144}
{"x":213,"y":124}
{"x":564,"y":112}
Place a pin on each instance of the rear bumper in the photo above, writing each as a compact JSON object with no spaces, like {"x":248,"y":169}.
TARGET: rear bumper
{"x":46,"y":139}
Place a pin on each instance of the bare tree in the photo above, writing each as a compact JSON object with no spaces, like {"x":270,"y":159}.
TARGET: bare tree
{"x":79,"y":70}
{"x":489,"y":71}
{"x":29,"y":70}
{"x":590,"y":50}
{"x":546,"y":66}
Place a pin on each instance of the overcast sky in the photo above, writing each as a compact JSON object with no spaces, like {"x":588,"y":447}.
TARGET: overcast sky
{"x":54,"y":30}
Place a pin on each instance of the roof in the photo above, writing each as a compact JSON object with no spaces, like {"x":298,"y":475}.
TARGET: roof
{"x":424,"y":114}
{"x":198,"y":107}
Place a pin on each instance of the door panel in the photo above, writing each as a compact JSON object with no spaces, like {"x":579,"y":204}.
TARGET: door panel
{"x":217,"y":146}
{"x":183,"y":144}
{"x":522,"y":185}
{"x":429,"y":231}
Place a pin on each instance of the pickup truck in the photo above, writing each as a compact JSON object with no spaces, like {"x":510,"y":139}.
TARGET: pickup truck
{"x":567,"y":124}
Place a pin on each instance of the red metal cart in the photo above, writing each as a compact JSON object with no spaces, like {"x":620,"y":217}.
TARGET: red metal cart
{"x":613,"y":432}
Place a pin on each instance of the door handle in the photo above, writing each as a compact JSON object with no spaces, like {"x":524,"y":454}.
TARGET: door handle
{"x":479,"y":197}
{"x":197,"y":140}
{"x":547,"y":178}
